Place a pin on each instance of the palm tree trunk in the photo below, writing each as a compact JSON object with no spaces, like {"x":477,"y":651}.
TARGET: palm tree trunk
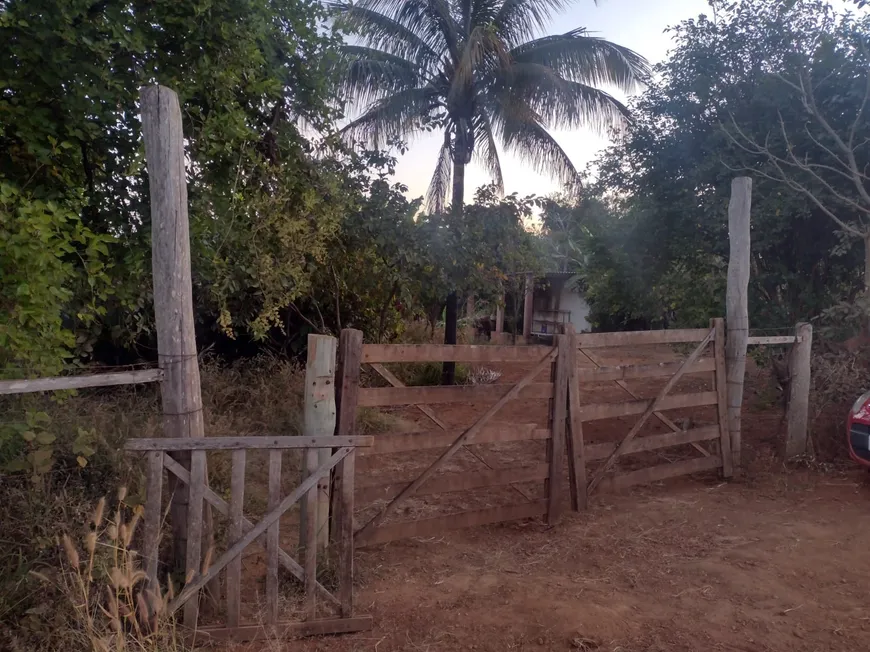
{"x":451,"y":314}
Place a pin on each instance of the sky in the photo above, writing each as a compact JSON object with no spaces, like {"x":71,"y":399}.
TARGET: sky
{"x":637,"y":24}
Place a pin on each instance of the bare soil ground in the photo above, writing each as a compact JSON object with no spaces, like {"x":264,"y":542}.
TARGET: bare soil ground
{"x":777,"y":560}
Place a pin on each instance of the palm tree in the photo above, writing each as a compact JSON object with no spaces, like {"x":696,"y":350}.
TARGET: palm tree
{"x":482,"y":72}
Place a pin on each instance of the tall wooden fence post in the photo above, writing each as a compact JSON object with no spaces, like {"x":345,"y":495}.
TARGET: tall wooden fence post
{"x":173,"y":300}
{"x":346,"y":397}
{"x":736,"y":306}
{"x":799,"y":392}
{"x":319,"y":421}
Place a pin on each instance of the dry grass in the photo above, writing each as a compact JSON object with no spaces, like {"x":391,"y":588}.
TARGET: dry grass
{"x":262,"y":396}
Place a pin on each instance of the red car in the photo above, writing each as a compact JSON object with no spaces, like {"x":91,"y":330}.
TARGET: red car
{"x":859,"y":431}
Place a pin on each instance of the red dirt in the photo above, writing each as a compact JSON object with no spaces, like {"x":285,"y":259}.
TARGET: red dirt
{"x":778,"y":560}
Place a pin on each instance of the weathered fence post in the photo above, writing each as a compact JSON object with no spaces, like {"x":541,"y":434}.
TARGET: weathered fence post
{"x":528,"y":307}
{"x":736,"y":307}
{"x":799,"y":392}
{"x":173,"y":305}
{"x":319,"y":421}
{"x":346,"y":399}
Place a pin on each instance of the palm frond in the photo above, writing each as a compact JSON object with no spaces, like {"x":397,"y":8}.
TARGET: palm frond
{"x":586,"y":59}
{"x":484,"y":50}
{"x":368,"y":74}
{"x":520,"y":20}
{"x":431,"y":20}
{"x":558,"y":102}
{"x":487,"y":152}
{"x":436,"y":195}
{"x":395,"y":117}
{"x":379,"y":31}
{"x":524,"y":135}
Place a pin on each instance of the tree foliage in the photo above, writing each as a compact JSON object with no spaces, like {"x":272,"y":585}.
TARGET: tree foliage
{"x":657,"y":250}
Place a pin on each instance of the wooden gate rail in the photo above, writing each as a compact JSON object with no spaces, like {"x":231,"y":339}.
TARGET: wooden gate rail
{"x":243,"y":532}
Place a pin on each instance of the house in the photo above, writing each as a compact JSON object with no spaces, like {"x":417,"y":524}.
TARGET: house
{"x":550,"y":302}
{"x":556,"y":301}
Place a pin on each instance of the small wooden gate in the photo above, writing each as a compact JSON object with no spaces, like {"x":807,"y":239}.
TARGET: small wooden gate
{"x":242,"y":532}
{"x":548,"y":474}
{"x":582,"y":453}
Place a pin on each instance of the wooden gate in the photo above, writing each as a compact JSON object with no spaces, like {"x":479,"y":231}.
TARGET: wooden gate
{"x":337,"y":603}
{"x":379,"y":501}
{"x":589,"y":370}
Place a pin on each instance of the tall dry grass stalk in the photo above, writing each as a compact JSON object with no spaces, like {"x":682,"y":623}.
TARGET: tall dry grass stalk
{"x":103,"y":582}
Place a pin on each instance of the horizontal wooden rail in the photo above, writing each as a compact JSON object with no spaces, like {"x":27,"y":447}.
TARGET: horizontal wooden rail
{"x":633,"y":338}
{"x":620,"y":481}
{"x":654,"y":442}
{"x":492,"y":433}
{"x":451,"y":482}
{"x":382,"y":396}
{"x":451,"y":353}
{"x":80,"y":382}
{"x":631,"y":372}
{"x":596,"y":411}
{"x":243,"y":443}
{"x":777,"y":339}
{"x":278,"y":631}
{"x":430,"y":527}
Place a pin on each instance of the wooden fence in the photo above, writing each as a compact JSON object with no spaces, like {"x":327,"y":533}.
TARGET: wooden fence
{"x":713,"y":366}
{"x":242,"y":532}
{"x":573,"y":365}
{"x":386,"y":496}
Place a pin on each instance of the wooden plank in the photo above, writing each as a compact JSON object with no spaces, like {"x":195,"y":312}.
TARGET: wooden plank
{"x":595,"y":411}
{"x":193,"y":557}
{"x":564,"y":364}
{"x":632,"y":372}
{"x":309,"y":538}
{"x":619,"y":481}
{"x":653,"y":406}
{"x":576,"y":445}
{"x":797,"y":429}
{"x":637,"y":338}
{"x":492,"y":433}
{"x":221,"y":506}
{"x":319,"y":420}
{"x":467,"y":437}
{"x":720,"y":385}
{"x":390,"y":377}
{"x":384,"y":396}
{"x":654,"y":442}
{"x":346,"y":398}
{"x":273,"y":537}
{"x":80,"y":382}
{"x":153,"y":516}
{"x":451,"y":352}
{"x":280,"y":631}
{"x":236,"y":531}
{"x":658,"y":415}
{"x":345,"y":535}
{"x":736,"y":305}
{"x":243,"y":442}
{"x":431,"y":527}
{"x":776,"y":339}
{"x":258,"y":530}
{"x":452,"y":482}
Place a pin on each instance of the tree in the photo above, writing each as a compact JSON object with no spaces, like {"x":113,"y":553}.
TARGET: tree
{"x":480,"y":72}
{"x":659,"y":250}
